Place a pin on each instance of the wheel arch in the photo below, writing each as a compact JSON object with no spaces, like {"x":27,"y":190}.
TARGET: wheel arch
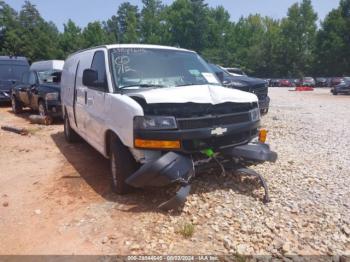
{"x":109,"y":134}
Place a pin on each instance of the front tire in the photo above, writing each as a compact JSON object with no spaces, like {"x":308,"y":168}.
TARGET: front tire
{"x":122,"y":165}
{"x":70,"y":135}
{"x":16,"y":105}
{"x":43,"y":113}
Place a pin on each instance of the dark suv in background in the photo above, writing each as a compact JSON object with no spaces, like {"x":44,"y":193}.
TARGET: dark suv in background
{"x":39,"y":90}
{"x":11,"y":71}
{"x":256,"y":86}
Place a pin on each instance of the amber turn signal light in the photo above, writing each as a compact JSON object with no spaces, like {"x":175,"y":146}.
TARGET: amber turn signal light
{"x":263,"y":135}
{"x":157,"y":144}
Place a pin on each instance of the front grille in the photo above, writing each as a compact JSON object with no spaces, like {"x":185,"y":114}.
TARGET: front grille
{"x":191,"y":110}
{"x":218,"y":142}
{"x":260,"y":91}
{"x":212,"y":121}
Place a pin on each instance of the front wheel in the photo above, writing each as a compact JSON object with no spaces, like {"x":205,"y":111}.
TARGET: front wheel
{"x":122,"y":165}
{"x":16,"y":105}
{"x":43,"y":113}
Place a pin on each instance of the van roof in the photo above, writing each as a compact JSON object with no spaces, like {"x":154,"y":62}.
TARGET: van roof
{"x":19,"y":60}
{"x":47,"y":65}
{"x":136,"y":46}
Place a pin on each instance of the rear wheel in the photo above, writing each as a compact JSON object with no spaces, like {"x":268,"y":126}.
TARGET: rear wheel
{"x":335,"y":93}
{"x":16,"y":105}
{"x":122,"y":165}
{"x":70,"y":135}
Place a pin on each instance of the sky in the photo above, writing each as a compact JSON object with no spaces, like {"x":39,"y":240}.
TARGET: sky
{"x":84,"y":11}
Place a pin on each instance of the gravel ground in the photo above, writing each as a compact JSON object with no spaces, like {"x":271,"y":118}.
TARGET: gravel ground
{"x":309,"y":189}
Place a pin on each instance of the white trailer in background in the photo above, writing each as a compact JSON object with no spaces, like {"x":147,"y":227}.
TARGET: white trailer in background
{"x":54,"y":65}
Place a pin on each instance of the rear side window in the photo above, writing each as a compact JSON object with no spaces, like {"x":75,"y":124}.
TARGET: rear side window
{"x":99,"y":65}
{"x":32,"y":78}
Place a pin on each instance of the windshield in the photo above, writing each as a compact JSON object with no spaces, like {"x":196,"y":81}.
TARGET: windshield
{"x":235,"y":71}
{"x":12,"y":72}
{"x":144,"y":68}
{"x":50,"y":76}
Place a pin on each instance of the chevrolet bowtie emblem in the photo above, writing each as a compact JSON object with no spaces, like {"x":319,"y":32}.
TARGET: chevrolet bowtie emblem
{"x":219,"y":131}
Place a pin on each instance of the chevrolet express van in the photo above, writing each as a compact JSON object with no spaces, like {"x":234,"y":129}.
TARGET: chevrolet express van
{"x":157,"y":113}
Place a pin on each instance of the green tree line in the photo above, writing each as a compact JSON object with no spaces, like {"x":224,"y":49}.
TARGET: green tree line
{"x":293,"y":46}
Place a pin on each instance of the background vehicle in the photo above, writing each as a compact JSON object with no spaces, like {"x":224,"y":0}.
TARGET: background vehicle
{"x":307,"y":81}
{"x":343,"y":87}
{"x":153,"y":110}
{"x":335,"y":81}
{"x":11,"y":71}
{"x":285,"y":83}
{"x":275,"y":82}
{"x":321,"y":81}
{"x":235,"y":71}
{"x":257,"y":86}
{"x":40,"y":89}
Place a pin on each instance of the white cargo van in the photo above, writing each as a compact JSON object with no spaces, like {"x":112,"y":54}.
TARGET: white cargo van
{"x":158,"y":113}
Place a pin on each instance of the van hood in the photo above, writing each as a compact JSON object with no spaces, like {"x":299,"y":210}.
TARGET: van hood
{"x":202,"y":94}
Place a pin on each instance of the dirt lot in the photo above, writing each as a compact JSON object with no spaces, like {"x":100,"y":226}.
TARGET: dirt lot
{"x":55,"y":197}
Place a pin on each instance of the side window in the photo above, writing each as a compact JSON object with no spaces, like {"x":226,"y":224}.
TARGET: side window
{"x":99,"y":65}
{"x":32,"y":78}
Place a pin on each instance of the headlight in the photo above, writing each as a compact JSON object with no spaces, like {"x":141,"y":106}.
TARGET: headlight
{"x":255,"y":114}
{"x":155,"y":122}
{"x":51,"y":96}
{"x":237,"y":84}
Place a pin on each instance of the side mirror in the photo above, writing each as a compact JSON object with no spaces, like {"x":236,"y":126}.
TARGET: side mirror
{"x":90,"y":77}
{"x":220,"y":75}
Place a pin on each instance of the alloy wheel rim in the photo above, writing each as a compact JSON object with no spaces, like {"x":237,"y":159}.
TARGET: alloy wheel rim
{"x":13,"y":104}
{"x":41,"y":110}
{"x":114,"y":172}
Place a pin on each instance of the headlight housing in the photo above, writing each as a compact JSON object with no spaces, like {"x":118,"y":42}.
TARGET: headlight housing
{"x":255,"y":114}
{"x":51,"y":96}
{"x":155,"y":122}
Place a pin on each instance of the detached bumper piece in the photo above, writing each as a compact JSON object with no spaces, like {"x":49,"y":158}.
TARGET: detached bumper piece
{"x":170,"y":168}
{"x":176,"y":168}
{"x":252,"y":152}
{"x":255,"y":152}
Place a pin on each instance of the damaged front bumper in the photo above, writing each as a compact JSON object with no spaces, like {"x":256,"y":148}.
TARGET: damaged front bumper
{"x":179,"y":168}
{"x":169,"y":169}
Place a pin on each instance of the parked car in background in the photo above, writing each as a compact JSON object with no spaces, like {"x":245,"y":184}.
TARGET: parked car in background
{"x":307,"y":81}
{"x":285,"y":83}
{"x":321,"y":81}
{"x":40,"y":89}
{"x":235,"y":71}
{"x":274,"y":82}
{"x":257,"y":86}
{"x":343,"y":87}
{"x":11,"y":71}
{"x":335,"y":81}
{"x":151,"y":109}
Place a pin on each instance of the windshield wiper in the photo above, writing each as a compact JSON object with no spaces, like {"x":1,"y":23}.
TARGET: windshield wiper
{"x":141,"y":86}
{"x":188,"y":84}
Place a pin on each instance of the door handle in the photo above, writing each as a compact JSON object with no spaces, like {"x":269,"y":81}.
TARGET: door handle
{"x":85,"y":94}
{"x":90,"y":101}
